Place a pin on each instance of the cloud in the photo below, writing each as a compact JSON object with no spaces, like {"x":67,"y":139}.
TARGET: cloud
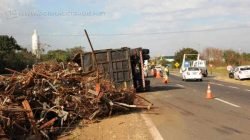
{"x":134,"y":16}
{"x":179,"y":15}
{"x":25,"y":2}
{"x":13,"y":4}
{"x":165,"y":14}
{"x":8,"y":8}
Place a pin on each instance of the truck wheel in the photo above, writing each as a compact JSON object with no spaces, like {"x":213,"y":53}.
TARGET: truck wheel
{"x":147,"y":84}
{"x":205,"y":74}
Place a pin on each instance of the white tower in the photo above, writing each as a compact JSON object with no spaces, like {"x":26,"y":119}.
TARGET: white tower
{"x":35,"y":44}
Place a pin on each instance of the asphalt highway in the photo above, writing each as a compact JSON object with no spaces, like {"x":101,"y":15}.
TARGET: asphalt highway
{"x":183,"y":113}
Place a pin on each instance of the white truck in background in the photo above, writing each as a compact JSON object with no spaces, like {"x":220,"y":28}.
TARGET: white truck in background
{"x":201,"y":64}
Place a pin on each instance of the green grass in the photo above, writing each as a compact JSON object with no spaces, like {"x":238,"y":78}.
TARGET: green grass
{"x":222,"y":74}
{"x":218,"y":71}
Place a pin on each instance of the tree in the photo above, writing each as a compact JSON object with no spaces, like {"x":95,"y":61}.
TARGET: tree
{"x":245,"y":58}
{"x":22,"y":60}
{"x":231,"y":57}
{"x":161,"y":61}
{"x":179,"y":54}
{"x":13,"y":55}
{"x":73,"y":51}
{"x":213,"y":55}
{"x":8,"y":44}
{"x":58,"y":55}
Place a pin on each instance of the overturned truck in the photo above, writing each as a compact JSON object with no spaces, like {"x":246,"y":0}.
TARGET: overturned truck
{"x":124,"y":66}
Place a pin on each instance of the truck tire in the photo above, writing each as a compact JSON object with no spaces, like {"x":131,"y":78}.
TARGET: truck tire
{"x":231,"y":75}
{"x":205,"y":74}
{"x":147,"y":85}
{"x":146,"y":57}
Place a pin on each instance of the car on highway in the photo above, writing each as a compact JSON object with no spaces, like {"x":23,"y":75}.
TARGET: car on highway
{"x":192,"y":73}
{"x":158,"y":68}
{"x":242,"y":72}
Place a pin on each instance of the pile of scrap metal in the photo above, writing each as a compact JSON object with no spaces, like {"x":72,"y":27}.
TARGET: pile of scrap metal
{"x":52,"y":98}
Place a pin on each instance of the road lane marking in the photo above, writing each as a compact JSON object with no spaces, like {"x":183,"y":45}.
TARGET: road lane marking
{"x":233,"y":87}
{"x":226,"y":102}
{"x":247,"y":89}
{"x":179,"y":85}
{"x":217,"y":84}
{"x":152,"y":129}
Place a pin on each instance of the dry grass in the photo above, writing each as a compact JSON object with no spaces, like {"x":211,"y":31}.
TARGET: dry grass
{"x":218,"y":71}
{"x":221,"y":73}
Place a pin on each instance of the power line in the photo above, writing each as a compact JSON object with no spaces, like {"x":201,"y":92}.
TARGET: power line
{"x":148,"y":33}
{"x":176,"y":32}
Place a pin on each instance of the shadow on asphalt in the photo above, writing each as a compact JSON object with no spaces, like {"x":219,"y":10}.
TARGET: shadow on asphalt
{"x":193,"y":81}
{"x":163,"y":88}
{"x":211,"y":76}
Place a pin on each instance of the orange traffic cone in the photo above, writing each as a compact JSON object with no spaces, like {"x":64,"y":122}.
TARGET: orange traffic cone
{"x":209,"y":93}
{"x":152,"y":72}
{"x":165,"y":80}
{"x":158,"y":74}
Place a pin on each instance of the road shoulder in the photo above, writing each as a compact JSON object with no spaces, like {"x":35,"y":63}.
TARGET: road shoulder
{"x":123,"y":127}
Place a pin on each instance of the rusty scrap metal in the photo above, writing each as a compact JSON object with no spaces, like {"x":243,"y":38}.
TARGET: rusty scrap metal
{"x":51,"y":98}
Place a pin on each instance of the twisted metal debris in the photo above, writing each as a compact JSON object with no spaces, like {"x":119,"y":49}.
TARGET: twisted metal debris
{"x":51,"y":98}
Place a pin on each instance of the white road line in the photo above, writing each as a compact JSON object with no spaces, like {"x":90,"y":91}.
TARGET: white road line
{"x":226,"y":102}
{"x":179,"y":85}
{"x":217,"y":84}
{"x":247,"y":89}
{"x":233,"y":87}
{"x":153,"y":130}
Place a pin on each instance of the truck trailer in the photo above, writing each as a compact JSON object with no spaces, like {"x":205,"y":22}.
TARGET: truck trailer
{"x":124,"y":66}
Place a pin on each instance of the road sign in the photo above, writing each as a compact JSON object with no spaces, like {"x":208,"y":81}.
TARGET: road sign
{"x":187,"y":64}
{"x":229,"y":67}
{"x":177,"y":64}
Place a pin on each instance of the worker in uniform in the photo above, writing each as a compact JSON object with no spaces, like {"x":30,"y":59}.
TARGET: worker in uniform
{"x":166,"y":74}
{"x":166,"y":70}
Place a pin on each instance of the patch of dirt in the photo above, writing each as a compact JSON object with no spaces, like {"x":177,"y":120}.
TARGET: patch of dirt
{"x":121,"y":127}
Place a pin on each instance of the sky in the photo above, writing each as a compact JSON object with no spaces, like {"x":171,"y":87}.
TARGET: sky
{"x":163,"y":26}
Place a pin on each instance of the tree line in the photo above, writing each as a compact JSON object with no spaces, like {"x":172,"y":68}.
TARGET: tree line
{"x":216,"y":56}
{"x":15,"y":57}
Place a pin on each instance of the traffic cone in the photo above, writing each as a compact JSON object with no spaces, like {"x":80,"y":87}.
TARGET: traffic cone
{"x":165,"y":80}
{"x":152,"y":72}
{"x":209,"y":93}
{"x":158,"y":74}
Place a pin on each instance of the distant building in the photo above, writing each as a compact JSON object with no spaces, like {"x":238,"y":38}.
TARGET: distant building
{"x":36,"y":50}
{"x":169,"y":58}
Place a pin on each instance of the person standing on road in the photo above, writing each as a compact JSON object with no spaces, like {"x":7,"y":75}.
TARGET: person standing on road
{"x":166,"y":70}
